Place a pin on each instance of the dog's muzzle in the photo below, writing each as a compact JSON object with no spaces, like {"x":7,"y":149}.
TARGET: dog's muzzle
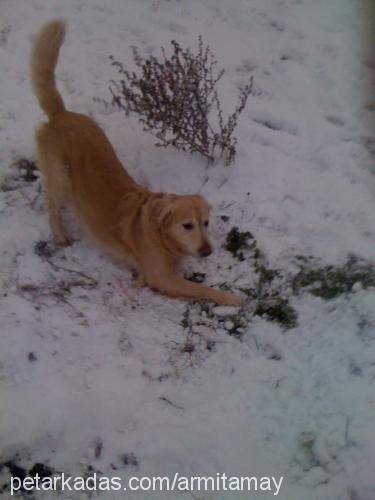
{"x":205,"y":250}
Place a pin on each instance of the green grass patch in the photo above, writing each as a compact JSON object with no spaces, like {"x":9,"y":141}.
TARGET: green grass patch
{"x":329,"y":282}
{"x":238,"y":241}
{"x":278,"y":311}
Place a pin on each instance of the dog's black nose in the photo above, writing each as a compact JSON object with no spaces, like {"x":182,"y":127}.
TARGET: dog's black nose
{"x":205,"y":250}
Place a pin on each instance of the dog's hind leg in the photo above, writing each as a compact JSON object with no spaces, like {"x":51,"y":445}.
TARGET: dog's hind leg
{"x":55,"y":181}
{"x":59,"y":231}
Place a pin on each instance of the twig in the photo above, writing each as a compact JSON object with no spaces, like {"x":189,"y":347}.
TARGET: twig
{"x":166,"y":400}
{"x":92,"y":281}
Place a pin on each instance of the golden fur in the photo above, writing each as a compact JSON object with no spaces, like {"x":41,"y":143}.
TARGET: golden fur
{"x":152,"y":232}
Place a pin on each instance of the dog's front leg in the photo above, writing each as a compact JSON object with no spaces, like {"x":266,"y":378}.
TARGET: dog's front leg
{"x":175,"y":286}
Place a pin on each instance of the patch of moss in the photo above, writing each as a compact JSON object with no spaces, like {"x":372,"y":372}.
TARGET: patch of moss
{"x":250,"y":292}
{"x":27,"y":169}
{"x":188,"y":348}
{"x":45,"y":249}
{"x":20,"y":472}
{"x":279,"y":311}
{"x":184,"y":323}
{"x":303,"y":258}
{"x":266,"y":275}
{"x":237,"y":241}
{"x":256,"y":252}
{"x":239,"y":323}
{"x":196,"y":277}
{"x":331,"y":281}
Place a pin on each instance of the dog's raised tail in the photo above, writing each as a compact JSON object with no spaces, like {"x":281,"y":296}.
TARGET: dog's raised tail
{"x":44,"y":55}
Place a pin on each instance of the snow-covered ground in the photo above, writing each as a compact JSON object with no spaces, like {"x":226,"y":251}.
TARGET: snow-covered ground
{"x":96,"y":375}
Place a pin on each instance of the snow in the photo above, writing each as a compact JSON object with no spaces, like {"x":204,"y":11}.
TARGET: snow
{"x":93,"y":369}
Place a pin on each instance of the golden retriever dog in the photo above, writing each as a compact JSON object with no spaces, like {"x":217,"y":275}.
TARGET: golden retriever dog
{"x":151,"y":232}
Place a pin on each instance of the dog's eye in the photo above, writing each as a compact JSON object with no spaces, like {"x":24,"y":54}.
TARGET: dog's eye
{"x":188,"y":226}
{"x":205,"y":223}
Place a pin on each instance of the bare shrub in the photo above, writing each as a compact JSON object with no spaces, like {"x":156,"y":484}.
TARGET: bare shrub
{"x":175,"y":98}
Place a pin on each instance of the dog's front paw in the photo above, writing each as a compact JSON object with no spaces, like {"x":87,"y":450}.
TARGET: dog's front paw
{"x":231,"y":299}
{"x":64,"y":240}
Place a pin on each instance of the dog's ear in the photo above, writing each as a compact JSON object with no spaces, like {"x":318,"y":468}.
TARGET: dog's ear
{"x":161,"y":210}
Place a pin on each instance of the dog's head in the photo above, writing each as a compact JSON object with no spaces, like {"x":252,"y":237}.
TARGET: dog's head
{"x":183,"y":222}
